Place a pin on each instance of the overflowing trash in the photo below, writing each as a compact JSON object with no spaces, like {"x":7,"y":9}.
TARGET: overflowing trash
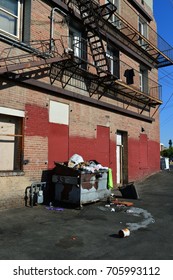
{"x":79,"y":182}
{"x":77,"y":162}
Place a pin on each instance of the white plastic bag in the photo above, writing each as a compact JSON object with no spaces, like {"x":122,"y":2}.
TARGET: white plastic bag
{"x":75,"y":160}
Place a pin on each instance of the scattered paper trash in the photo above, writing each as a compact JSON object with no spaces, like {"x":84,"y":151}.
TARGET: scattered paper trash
{"x":54,"y":208}
{"x":120,"y":202}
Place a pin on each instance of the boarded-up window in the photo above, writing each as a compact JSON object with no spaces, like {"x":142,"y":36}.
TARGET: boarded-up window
{"x":58,"y":113}
{"x":11,"y":138}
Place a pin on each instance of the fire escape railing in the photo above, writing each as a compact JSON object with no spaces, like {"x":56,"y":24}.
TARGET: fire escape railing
{"x":95,"y":65}
{"x":38,"y":54}
{"x":126,"y":81}
{"x":64,"y":65}
{"x":91,"y":13}
{"x":151,"y":44}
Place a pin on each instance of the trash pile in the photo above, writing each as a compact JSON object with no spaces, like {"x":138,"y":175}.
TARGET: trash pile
{"x":116,"y":205}
{"x":77,"y":162}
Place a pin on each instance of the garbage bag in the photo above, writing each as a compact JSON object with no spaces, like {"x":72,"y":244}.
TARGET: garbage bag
{"x":75,"y":160}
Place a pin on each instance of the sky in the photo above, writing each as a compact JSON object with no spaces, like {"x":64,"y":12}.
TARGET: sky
{"x":163,"y":13}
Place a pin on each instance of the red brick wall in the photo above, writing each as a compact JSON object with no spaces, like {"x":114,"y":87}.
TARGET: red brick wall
{"x":36,"y":140}
{"x":36,"y":123}
{"x":58,"y":143}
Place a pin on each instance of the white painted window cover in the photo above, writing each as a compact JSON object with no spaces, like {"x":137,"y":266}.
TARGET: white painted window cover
{"x":58,"y":112}
{"x":12,"y":112}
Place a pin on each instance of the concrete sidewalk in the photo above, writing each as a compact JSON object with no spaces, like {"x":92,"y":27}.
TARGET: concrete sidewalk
{"x":92,"y":233}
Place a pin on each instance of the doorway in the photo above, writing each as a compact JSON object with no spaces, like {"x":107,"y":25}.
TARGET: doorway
{"x":122,"y":157}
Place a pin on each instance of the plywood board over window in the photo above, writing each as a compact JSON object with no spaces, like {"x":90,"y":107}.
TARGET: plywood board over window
{"x":11,"y":139}
{"x":58,"y":113}
{"x":7,"y":145}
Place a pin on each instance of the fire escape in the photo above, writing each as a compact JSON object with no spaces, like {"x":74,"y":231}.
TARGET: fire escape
{"x":96,"y":19}
{"x":59,"y":61}
{"x":91,"y":13}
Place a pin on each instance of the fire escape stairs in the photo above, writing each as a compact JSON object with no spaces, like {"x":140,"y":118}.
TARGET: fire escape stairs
{"x":91,"y":12}
{"x":95,"y":16}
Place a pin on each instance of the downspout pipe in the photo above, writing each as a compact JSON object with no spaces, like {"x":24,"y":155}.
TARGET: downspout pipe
{"x":52,"y":25}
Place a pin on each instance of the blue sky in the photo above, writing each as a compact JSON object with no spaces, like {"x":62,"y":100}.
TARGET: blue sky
{"x":163,"y":13}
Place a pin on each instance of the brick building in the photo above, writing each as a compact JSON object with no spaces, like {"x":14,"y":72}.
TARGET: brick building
{"x":78,"y":77}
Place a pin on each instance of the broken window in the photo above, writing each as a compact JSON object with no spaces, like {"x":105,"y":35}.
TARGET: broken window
{"x":11,"y":139}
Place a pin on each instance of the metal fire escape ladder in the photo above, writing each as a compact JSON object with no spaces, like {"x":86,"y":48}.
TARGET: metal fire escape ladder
{"x":90,"y":18}
{"x":91,"y":13}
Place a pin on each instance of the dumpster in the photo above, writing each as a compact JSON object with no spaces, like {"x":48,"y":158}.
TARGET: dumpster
{"x":79,"y":186}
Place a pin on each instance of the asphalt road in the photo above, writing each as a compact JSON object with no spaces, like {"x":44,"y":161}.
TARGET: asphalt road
{"x":92,"y":232}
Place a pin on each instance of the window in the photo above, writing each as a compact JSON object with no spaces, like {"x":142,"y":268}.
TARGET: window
{"x":110,"y":58}
{"x":113,"y":61}
{"x":113,"y":19}
{"x":143,"y":31}
{"x":9,"y":16}
{"x":11,"y":140}
{"x":78,"y":44}
{"x":143,"y":76}
{"x":75,"y":42}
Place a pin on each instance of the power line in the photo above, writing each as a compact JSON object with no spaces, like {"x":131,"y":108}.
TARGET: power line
{"x":166,"y":103}
{"x":167,"y":120}
{"x":166,"y":75}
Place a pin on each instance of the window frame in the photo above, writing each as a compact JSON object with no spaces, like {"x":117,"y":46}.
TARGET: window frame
{"x":143,"y":30}
{"x":113,"y":19}
{"x":17,"y":139}
{"x":143,"y":80}
{"x":75,"y":41}
{"x":112,"y":56}
{"x":16,"y":17}
{"x":78,"y":38}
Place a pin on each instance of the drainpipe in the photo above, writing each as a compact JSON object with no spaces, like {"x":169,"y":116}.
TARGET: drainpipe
{"x":52,"y":25}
